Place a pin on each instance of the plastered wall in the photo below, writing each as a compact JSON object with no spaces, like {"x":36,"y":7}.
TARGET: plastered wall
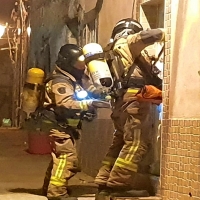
{"x":185,"y":80}
{"x":113,"y":11}
{"x":180,"y":170}
{"x":49,"y":31}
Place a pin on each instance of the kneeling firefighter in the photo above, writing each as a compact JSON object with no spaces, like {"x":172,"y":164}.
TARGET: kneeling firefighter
{"x":63,"y":110}
{"x":136,"y":86}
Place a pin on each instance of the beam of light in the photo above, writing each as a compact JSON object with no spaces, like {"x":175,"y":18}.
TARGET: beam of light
{"x":28,"y":30}
{"x":18,"y":31}
{"x":81,"y":94}
{"x":2,"y":30}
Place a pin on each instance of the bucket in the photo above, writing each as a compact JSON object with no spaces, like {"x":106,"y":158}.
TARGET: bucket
{"x":39,"y":143}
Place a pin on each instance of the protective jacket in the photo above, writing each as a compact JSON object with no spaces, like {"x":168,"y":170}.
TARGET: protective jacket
{"x":60,"y":91}
{"x":132,"y":136}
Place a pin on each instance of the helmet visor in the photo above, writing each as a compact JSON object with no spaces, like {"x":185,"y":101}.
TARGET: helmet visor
{"x":81,"y":58}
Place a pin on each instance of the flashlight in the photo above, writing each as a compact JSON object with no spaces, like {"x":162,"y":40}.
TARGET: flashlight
{"x":80,"y":93}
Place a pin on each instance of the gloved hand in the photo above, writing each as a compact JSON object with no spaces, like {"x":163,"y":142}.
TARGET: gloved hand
{"x":100,"y":94}
{"x":101,"y":104}
{"x":90,"y":114}
{"x":105,"y":96}
{"x":86,"y":104}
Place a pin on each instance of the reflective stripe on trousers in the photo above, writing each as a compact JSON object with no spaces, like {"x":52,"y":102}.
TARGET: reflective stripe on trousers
{"x":130,"y":144}
{"x":56,"y":179}
{"x":109,"y":161}
{"x":127,"y":162}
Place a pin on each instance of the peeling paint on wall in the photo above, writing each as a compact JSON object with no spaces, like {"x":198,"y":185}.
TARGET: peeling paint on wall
{"x":49,"y":31}
{"x":55,"y":23}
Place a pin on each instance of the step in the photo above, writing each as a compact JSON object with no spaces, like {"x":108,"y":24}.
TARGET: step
{"x":136,"y":198}
{"x":21,"y":196}
{"x":121,"y":198}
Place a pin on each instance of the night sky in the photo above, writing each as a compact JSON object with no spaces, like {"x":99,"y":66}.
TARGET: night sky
{"x":6,"y":7}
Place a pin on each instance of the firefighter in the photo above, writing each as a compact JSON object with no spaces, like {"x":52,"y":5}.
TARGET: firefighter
{"x":63,"y":110}
{"x":122,"y":164}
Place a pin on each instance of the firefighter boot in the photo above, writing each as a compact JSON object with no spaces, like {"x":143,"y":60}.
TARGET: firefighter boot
{"x":126,"y":183}
{"x":66,"y":197}
{"x":129,"y":193}
{"x":103,"y":193}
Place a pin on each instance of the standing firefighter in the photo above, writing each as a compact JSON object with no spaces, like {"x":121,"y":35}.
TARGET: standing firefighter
{"x":63,"y":108}
{"x":122,"y":169}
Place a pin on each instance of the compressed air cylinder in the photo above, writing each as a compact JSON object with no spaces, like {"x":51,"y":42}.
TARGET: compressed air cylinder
{"x":32,"y":90}
{"x":97,"y":67}
{"x":35,"y":76}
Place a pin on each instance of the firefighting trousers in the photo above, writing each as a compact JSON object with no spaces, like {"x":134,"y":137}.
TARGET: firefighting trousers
{"x":131,"y":142}
{"x":63,"y":166}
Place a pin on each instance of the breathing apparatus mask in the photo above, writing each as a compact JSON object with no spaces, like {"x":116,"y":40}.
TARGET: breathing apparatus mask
{"x":125,"y":27}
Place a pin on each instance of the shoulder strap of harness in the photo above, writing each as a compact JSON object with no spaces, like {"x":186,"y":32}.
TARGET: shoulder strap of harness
{"x":146,"y":68}
{"x":62,"y":77}
{"x":158,"y":57}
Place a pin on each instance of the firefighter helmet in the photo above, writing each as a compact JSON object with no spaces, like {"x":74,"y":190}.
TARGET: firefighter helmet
{"x":128,"y":26}
{"x":67,"y":56}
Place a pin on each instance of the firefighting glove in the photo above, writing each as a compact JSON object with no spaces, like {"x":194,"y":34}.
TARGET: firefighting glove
{"x":105,"y":96}
{"x":89,"y":111}
{"x":90,"y":114}
{"x":100,"y":95}
{"x":101,"y":104}
{"x":86,"y":104}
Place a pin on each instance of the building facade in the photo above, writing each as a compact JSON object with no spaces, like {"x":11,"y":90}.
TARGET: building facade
{"x":181,"y":117}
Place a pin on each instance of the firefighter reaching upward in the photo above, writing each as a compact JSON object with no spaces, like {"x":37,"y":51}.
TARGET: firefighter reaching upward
{"x":132,"y":137}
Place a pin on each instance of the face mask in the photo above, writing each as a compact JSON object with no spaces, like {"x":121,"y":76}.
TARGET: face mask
{"x":124,"y":32}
